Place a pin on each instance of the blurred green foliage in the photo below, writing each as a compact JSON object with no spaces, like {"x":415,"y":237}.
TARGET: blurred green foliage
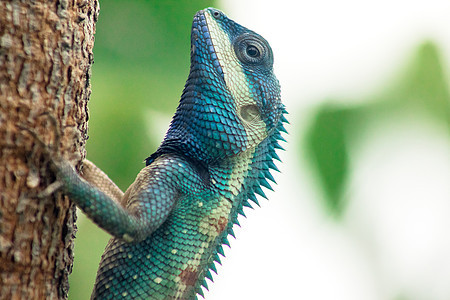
{"x":142,"y":57}
{"x":327,"y":147}
{"x":421,"y":89}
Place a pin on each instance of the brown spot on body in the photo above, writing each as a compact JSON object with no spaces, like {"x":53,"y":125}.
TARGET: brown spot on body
{"x":221,"y":224}
{"x":189,"y":276}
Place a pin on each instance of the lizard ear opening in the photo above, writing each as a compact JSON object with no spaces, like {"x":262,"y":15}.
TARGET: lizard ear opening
{"x":250,"y":113}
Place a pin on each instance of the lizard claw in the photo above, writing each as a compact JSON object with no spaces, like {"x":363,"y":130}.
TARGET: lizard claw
{"x":51,"y":189}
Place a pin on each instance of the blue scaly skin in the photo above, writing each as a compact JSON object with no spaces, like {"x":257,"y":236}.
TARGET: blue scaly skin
{"x":170,"y":225}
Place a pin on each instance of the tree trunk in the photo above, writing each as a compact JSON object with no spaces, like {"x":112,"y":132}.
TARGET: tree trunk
{"x":45,"y":67}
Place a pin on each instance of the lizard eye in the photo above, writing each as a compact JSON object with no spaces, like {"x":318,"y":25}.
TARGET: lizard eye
{"x":252,"y":49}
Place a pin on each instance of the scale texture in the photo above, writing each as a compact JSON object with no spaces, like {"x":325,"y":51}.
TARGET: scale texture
{"x":170,"y":225}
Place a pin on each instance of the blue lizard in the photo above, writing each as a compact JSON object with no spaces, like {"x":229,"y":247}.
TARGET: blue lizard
{"x":169,"y":227}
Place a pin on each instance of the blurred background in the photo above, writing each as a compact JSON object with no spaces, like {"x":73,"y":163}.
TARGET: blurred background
{"x":362,"y":205}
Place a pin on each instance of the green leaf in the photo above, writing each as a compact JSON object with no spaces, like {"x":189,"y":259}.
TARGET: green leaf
{"x":327,"y":148}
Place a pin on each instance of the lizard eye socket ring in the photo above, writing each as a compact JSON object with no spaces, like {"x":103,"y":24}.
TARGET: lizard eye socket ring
{"x":251,"y":49}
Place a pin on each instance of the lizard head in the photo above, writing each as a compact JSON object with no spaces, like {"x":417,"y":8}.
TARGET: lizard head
{"x":231,"y":101}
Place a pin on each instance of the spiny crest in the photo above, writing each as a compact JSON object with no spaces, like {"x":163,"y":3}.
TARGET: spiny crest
{"x":263,"y":167}
{"x":249,"y":193}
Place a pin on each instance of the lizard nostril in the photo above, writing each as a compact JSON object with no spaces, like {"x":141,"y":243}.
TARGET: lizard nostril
{"x":216,"y":14}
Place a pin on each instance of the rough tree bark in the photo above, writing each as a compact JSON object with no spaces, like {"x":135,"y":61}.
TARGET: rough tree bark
{"x":45,"y":67}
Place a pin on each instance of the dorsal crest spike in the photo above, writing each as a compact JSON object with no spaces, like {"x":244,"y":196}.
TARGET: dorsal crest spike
{"x":204,"y":284}
{"x":241,"y":212}
{"x":265,"y":184}
{"x":209,"y":275}
{"x":217,"y":259}
{"x":213,"y":268}
{"x":245,"y":203}
{"x":282,"y":139}
{"x":269,"y":176}
{"x":200,"y":292}
{"x":277,"y":146}
{"x":231,"y":232}
{"x":275,"y":155}
{"x":253,"y":198}
{"x":281,"y":128}
{"x":225,"y":241}
{"x":260,"y":192}
{"x":273,"y":166}
{"x":284,"y":120}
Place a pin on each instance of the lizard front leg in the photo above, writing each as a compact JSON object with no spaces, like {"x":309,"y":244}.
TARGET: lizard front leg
{"x":95,"y":176}
{"x":131,"y":217}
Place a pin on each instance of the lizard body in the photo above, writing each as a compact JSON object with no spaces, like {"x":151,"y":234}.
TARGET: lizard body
{"x":169,"y":227}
